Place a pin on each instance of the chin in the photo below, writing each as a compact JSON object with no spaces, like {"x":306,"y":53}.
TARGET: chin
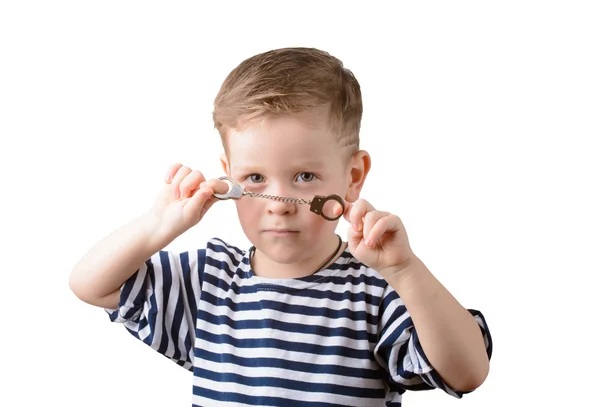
{"x":282,"y":250}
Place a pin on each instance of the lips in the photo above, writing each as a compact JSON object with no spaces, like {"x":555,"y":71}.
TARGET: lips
{"x":282,"y":231}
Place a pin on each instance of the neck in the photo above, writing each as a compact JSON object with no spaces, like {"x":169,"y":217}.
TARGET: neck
{"x":263,"y":266}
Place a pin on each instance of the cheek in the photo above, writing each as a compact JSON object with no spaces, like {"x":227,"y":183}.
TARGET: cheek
{"x":247,"y":212}
{"x":317,"y":223}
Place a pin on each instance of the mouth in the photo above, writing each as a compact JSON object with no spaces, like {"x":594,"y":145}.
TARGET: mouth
{"x":281,"y":231}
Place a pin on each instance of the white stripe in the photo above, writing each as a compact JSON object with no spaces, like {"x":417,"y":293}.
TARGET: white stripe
{"x":307,"y":377}
{"x":291,"y":299}
{"x":291,"y":318}
{"x":291,"y":354}
{"x":169,"y":311}
{"x":299,"y":337}
{"x":302,"y":395}
{"x":188,"y":325}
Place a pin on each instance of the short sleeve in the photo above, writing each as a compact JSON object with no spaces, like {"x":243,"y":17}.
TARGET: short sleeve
{"x":400,"y":353}
{"x":158,"y":303}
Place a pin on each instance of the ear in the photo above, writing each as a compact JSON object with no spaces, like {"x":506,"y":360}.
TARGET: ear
{"x":358,"y":168}
{"x":225,"y":163}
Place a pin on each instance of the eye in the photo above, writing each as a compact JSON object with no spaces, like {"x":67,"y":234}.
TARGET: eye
{"x":306,"y":177}
{"x":255,"y":178}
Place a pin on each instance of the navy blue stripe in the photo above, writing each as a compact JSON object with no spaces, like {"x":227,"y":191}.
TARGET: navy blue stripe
{"x":223,"y":245}
{"x":187,"y":281}
{"x":281,"y":383}
{"x":386,"y":345}
{"x":201,"y":254}
{"x":303,"y":347}
{"x":286,"y":364}
{"x":126,"y":292}
{"x":152,"y":300}
{"x":218,"y":282}
{"x":399,"y":310}
{"x":166,"y":289}
{"x":138,"y":301}
{"x":392,"y":338}
{"x":227,"y":250}
{"x":347,"y":295}
{"x":178,"y":317}
{"x":255,"y":400}
{"x":143,"y":323}
{"x":344,"y":278}
{"x":429,"y":381}
{"x":354,"y":280}
{"x":292,"y":309}
{"x":293,"y":327}
{"x":361,"y":279}
{"x":391,"y":296}
{"x":182,"y":363}
{"x":419,"y":349}
{"x":223,"y":267}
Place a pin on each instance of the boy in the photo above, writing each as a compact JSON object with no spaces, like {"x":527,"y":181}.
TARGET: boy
{"x":301,"y":318}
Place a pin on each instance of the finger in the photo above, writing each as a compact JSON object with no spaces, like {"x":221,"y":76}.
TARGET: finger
{"x":370,"y":219}
{"x":347,"y":210}
{"x":385,"y":224}
{"x":338,"y":210}
{"x":190,"y":184}
{"x":359,"y":209}
{"x":354,"y":238}
{"x":171,"y":172}
{"x":218,"y":186}
{"x":202,"y":199}
{"x":182,"y":172}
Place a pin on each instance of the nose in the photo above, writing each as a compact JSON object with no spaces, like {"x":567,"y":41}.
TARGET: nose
{"x":278,"y":205}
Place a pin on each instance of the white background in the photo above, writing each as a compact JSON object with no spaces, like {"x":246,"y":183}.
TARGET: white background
{"x":482,"y":119}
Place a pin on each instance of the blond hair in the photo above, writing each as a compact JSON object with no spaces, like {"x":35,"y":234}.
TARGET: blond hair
{"x":291,"y":80}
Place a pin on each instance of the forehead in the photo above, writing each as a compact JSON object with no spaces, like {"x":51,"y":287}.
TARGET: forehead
{"x":283,"y":140}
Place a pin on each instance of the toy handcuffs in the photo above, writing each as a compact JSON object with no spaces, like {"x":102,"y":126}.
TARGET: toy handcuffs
{"x":237,"y":191}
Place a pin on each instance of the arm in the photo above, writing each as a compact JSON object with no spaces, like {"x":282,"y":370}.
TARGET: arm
{"x":448,"y":333}
{"x":99,"y":275}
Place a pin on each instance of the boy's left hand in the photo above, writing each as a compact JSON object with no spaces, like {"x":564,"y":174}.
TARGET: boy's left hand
{"x":377,"y":239}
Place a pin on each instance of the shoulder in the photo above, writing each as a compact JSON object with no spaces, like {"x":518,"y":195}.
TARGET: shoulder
{"x":217,"y":245}
{"x":223,"y":255}
{"x":350,"y":272}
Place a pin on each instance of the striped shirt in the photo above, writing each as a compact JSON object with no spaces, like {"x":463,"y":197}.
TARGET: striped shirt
{"x":340,"y":337}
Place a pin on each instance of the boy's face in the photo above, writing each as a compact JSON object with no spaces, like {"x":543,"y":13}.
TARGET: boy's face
{"x":292,"y":156}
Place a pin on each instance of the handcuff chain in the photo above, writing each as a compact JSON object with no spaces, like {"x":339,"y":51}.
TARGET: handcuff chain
{"x":278,"y":198}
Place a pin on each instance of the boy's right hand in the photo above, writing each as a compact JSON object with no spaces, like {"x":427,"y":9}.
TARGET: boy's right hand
{"x":184,"y":200}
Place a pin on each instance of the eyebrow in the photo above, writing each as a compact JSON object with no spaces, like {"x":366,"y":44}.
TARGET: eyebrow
{"x":307,"y":165}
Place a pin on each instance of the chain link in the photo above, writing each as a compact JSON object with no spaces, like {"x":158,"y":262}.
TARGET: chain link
{"x":278,"y":198}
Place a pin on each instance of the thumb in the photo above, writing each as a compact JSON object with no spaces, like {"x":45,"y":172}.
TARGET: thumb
{"x":219,"y":186}
{"x":202,"y":199}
